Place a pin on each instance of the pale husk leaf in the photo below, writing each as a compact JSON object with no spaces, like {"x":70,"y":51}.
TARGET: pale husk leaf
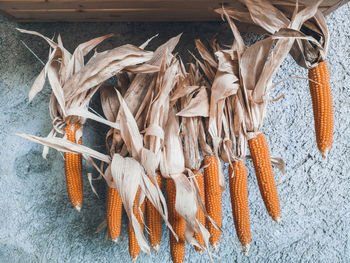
{"x":266,"y":15}
{"x":64,"y":145}
{"x":103,"y":66}
{"x":279,"y":163}
{"x":129,"y":130}
{"x":159,"y":108}
{"x":84,"y":113}
{"x":40,"y":79}
{"x":76,"y":62}
{"x":48,"y":40}
{"x":276,"y":15}
{"x":127,"y":174}
{"x":197,"y":107}
{"x":139,"y":86}
{"x":181,"y":91}
{"x":109,"y":102}
{"x":205,"y":54}
{"x":205,"y":148}
{"x":172,"y":160}
{"x":56,"y":87}
{"x":145,"y":44}
{"x":190,"y":132}
{"x":144,"y":68}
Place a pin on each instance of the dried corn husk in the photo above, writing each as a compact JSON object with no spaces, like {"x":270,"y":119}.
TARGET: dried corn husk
{"x":194,"y":104}
{"x":255,"y":87}
{"x":139,"y":86}
{"x":134,"y":143}
{"x":73,"y":83}
{"x":275,"y":15}
{"x":158,"y":112}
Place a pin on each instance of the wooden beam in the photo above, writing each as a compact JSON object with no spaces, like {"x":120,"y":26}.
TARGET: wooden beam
{"x":133,"y":10}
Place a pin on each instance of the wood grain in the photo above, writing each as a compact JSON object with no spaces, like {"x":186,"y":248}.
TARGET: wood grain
{"x":124,"y":10}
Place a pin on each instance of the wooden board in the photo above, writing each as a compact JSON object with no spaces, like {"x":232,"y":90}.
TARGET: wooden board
{"x":124,"y":10}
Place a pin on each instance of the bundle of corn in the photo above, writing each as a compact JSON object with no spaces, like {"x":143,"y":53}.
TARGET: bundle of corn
{"x":214,"y":181}
{"x":129,"y":84}
{"x":147,"y":155}
{"x":73,"y":84}
{"x":250,"y":71}
{"x":309,"y":52}
{"x":194,"y":104}
{"x":101,"y":67}
{"x":164,"y":118}
{"x":146,"y":117}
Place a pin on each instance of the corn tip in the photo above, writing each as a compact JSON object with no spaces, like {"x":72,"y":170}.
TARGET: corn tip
{"x":324,"y":153}
{"x":116,"y":240}
{"x":156,"y":248}
{"x":134,"y":259}
{"x":278,"y":220}
{"x":216,"y":246}
{"x":78,"y":208}
{"x":246,"y":249}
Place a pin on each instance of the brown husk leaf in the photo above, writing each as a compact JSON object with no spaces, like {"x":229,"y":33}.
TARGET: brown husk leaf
{"x":275,"y":15}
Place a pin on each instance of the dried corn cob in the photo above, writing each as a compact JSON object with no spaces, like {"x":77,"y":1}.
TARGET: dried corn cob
{"x":114,"y":214}
{"x":321,"y":96}
{"x":177,"y":248}
{"x":260,"y":153}
{"x":239,"y":201}
{"x":134,"y":248}
{"x":154,"y":220}
{"x":213,"y":198}
{"x":73,"y":169}
{"x":200,"y":214}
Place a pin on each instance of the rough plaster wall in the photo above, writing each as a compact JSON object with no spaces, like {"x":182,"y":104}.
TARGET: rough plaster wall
{"x":38,"y":224}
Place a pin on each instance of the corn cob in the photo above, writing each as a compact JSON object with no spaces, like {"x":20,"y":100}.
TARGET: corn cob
{"x":213,"y":198}
{"x":177,"y":248}
{"x":239,"y":201}
{"x":114,"y":214}
{"x":73,"y":169}
{"x":134,"y":248}
{"x":260,"y":153}
{"x":321,"y":96}
{"x":200,"y":214}
{"x":154,"y":220}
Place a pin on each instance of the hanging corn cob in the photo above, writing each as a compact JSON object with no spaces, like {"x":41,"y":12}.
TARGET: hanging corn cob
{"x":134,"y":248}
{"x":200,"y":215}
{"x":239,"y":201}
{"x":177,"y":247}
{"x":260,"y":154}
{"x":234,"y":152}
{"x":114,"y":214}
{"x":74,"y":179}
{"x":61,"y":69}
{"x":154,"y":220}
{"x":213,"y":197}
{"x":321,"y":95}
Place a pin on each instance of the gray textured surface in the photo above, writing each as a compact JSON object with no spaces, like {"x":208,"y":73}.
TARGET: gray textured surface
{"x":38,"y":224}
